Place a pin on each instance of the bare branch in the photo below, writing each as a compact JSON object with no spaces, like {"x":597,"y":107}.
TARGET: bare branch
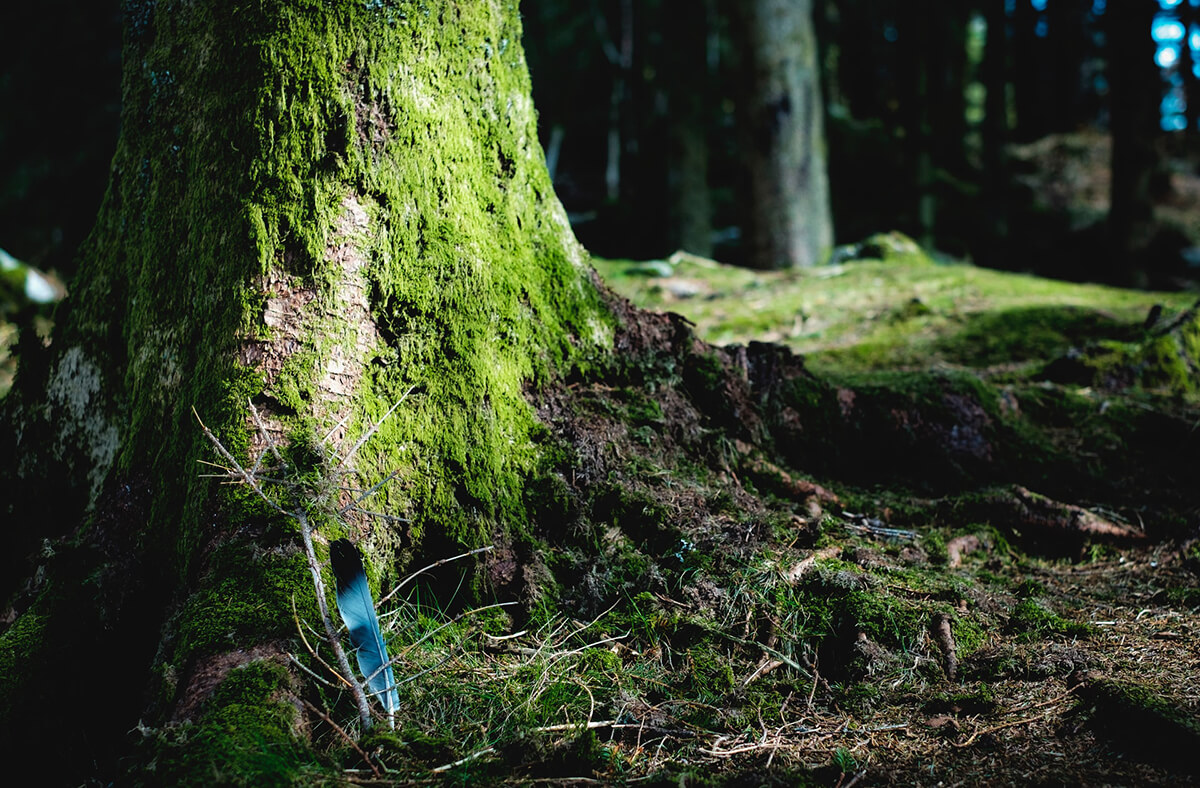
{"x":237,"y":470}
{"x":344,"y":735}
{"x":262,"y":428}
{"x":335,"y":427}
{"x":374,"y":428}
{"x":368,"y":493}
{"x":311,"y":672}
{"x":360,"y":697}
{"x":313,"y":652}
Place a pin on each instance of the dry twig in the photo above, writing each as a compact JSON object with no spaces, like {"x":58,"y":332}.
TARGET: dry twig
{"x":343,"y":734}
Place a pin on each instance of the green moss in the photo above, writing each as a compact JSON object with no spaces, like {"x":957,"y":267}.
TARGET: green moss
{"x":1029,"y":588}
{"x":296,"y":383}
{"x":866,"y":314}
{"x":934,"y":543}
{"x":1165,"y":360}
{"x":1026,"y":334}
{"x":1032,"y":620}
{"x":643,"y":618}
{"x":247,"y":736}
{"x":20,"y":645}
{"x":642,"y":410}
{"x":1183,"y":597}
{"x":969,"y":634}
{"x":248,"y":601}
{"x":859,"y":696}
{"x":1172,"y":361}
{"x":250,"y":683}
{"x":893,"y":247}
{"x":885,"y":619}
{"x":709,"y":672}
{"x":834,"y":603}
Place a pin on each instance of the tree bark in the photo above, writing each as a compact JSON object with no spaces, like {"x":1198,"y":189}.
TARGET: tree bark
{"x":1067,"y":28}
{"x":315,"y":207}
{"x":995,"y":74}
{"x":1136,"y":91}
{"x":1031,"y":64}
{"x":688,"y":70}
{"x":788,"y":221}
{"x":1189,"y":15}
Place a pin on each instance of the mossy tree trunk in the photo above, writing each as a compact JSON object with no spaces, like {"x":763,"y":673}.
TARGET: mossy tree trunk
{"x":315,"y":207}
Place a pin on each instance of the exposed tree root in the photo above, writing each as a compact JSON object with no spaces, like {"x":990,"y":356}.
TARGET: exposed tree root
{"x":944,"y":637}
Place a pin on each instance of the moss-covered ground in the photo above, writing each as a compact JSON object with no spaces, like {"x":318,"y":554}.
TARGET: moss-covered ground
{"x":900,"y":312}
{"x":702,"y":607}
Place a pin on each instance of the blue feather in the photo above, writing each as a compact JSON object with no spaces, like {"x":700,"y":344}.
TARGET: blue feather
{"x":358,"y":611}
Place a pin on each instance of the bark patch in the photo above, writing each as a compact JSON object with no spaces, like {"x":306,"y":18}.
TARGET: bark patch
{"x":313,"y":356}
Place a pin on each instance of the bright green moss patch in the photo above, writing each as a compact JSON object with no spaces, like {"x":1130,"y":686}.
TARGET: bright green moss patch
{"x":969,"y":634}
{"x":864,"y":314}
{"x":893,"y":247}
{"x":250,"y":683}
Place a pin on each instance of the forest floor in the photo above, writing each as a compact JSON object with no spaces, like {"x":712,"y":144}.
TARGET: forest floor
{"x":1025,"y":612}
{"x":888,"y":521}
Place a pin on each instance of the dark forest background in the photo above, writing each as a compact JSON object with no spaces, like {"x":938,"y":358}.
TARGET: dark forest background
{"x":983,"y":128}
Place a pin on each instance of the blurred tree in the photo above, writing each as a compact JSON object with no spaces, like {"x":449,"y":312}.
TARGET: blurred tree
{"x":995,"y":131}
{"x":689,"y":73}
{"x":1067,"y":23}
{"x":1136,"y":91}
{"x":781,"y":126}
{"x":934,"y":49}
{"x":1032,"y":64}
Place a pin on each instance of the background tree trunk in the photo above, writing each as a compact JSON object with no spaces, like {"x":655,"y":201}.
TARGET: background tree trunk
{"x":788,"y":220}
{"x":1067,"y":29}
{"x":688,"y":71}
{"x":1032,"y":60}
{"x":316,"y":207}
{"x":1136,"y":91}
{"x":995,"y":120}
{"x":1190,"y":16}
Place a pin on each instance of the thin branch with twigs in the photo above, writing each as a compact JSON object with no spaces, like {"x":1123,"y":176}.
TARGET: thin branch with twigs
{"x":360,"y":697}
{"x":235,"y":472}
{"x":344,"y":735}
